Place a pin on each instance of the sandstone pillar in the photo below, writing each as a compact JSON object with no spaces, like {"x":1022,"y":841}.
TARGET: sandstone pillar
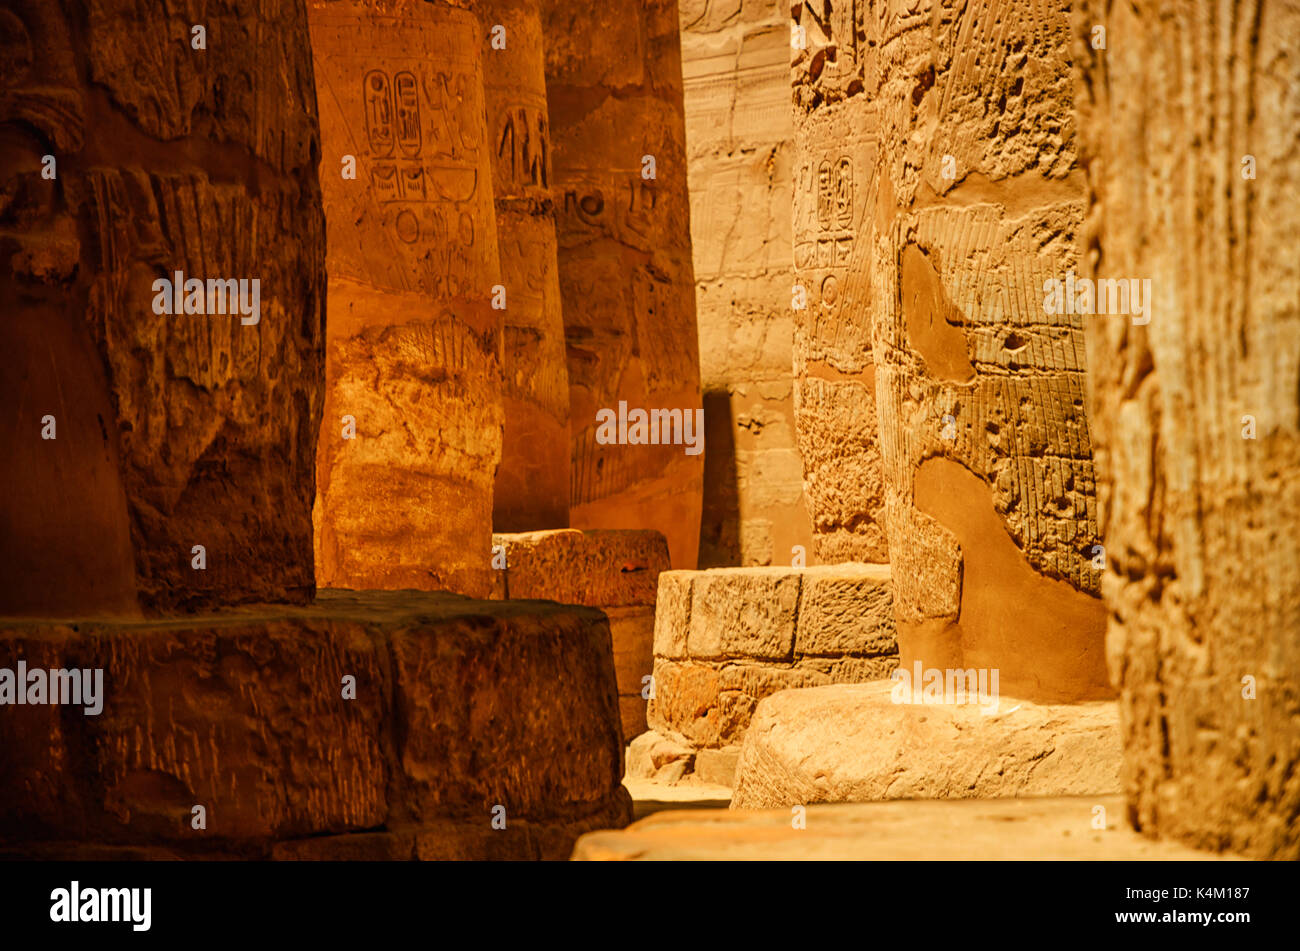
{"x":532,"y":484}
{"x":835,"y":154}
{"x":614,"y":89}
{"x":735,"y":66}
{"x":152,"y":457}
{"x":1194,"y":411}
{"x":937,"y":190}
{"x":411,"y":436}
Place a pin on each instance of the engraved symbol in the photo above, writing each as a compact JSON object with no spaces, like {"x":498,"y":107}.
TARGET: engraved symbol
{"x":408,"y":114}
{"x":522,"y":143}
{"x":588,"y":207}
{"x":408,"y":226}
{"x":379,"y":114}
{"x":825,"y":194}
{"x":384,"y":183}
{"x":835,"y":194}
{"x":830,"y":289}
{"x":413,"y":183}
{"x":844,"y":193}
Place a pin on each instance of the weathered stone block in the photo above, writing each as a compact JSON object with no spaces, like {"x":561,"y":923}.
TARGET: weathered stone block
{"x":673,"y":613}
{"x":595,"y":567}
{"x":459,"y":706}
{"x":846,"y":610}
{"x":727,"y":637}
{"x":853,"y":743}
{"x":743,"y":612}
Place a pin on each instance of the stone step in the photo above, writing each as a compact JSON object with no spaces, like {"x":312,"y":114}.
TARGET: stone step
{"x":616,"y":571}
{"x":854,"y":743}
{"x":460,"y":706}
{"x":725,"y":638}
{"x":998,"y":829}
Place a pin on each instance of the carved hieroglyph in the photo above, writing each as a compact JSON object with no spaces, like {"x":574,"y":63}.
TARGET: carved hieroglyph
{"x":532,"y":485}
{"x":936,"y":192}
{"x":1195,"y":413}
{"x":736,"y":79}
{"x":614,"y":87}
{"x":411,"y":436}
{"x":132,"y":147}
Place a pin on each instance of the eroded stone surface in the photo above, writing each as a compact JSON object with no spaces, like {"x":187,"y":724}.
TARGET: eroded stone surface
{"x":907,"y":831}
{"x":598,"y":568}
{"x":613,"y":80}
{"x":170,"y":430}
{"x":1194,"y":413}
{"x":936,"y":190}
{"x":459,"y":706}
{"x":413,"y":362}
{"x":727,"y":637}
{"x":853,"y":743}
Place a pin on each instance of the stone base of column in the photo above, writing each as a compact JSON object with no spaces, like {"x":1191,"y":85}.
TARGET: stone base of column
{"x":614,"y":570}
{"x":348,"y":727}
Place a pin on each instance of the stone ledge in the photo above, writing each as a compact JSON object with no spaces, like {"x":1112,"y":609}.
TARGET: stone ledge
{"x":1000,"y":829}
{"x":460,"y":705}
{"x":603,"y":568}
{"x":852,"y":743}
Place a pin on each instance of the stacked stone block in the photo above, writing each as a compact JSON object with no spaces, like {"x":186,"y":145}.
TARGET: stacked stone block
{"x":725,"y":638}
{"x":616,"y":571}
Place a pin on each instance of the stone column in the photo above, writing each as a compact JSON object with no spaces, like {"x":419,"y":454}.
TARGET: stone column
{"x":835,"y":154}
{"x":157,"y":457}
{"x":1188,"y":121}
{"x":614,"y":86}
{"x":411,"y":436}
{"x":937,"y":191}
{"x":735,"y":66}
{"x":532,"y":485}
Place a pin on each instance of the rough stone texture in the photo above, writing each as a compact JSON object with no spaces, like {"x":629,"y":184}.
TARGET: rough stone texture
{"x":613,"y":82}
{"x":936,"y":189}
{"x":854,"y":743}
{"x":735,"y":66}
{"x":616,"y":571}
{"x":460,"y":706}
{"x":1203,"y":560}
{"x":718,"y":767}
{"x":1058,"y":828}
{"x":532,"y":483}
{"x":414,"y":343}
{"x":727,"y":637}
{"x":650,"y":752}
{"x":171,"y":430}
{"x":598,"y":568}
